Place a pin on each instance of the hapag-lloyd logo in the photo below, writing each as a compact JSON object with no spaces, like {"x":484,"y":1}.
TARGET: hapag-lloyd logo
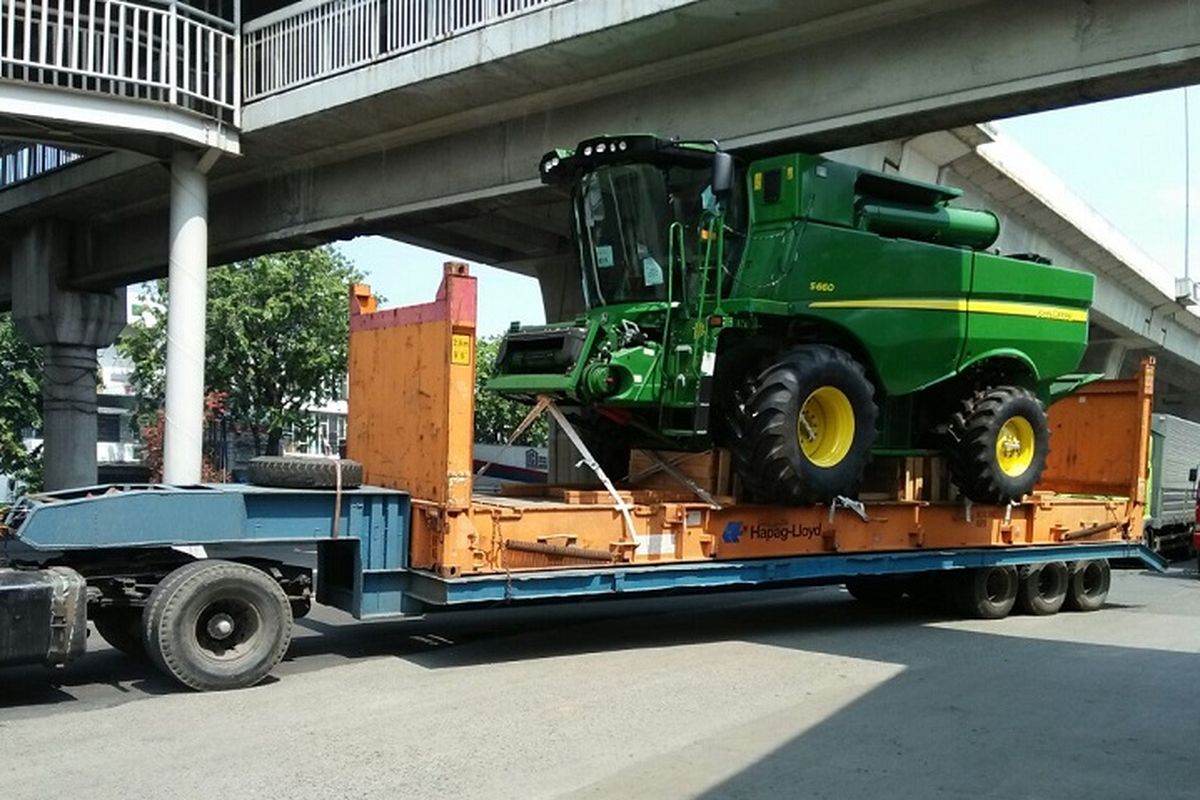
{"x":767,"y":531}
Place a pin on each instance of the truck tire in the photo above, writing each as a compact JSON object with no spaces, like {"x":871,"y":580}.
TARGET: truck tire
{"x":216,"y":625}
{"x":988,"y":592}
{"x":121,"y":627}
{"x":805,"y":429}
{"x":1000,"y":440}
{"x":297,"y":472}
{"x":877,"y":590}
{"x":1043,"y":588}
{"x":1087,"y":588}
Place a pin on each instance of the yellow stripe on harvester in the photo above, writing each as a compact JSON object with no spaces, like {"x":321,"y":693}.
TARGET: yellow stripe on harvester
{"x":1000,"y":307}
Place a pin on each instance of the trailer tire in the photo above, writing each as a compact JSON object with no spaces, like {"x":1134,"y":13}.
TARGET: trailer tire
{"x":988,"y":592}
{"x":990,"y":421}
{"x":216,"y":625}
{"x":1088,"y":585}
{"x":828,"y":389}
{"x":121,"y":627}
{"x":1043,"y":588}
{"x":295,"y":472}
{"x":876,"y":590}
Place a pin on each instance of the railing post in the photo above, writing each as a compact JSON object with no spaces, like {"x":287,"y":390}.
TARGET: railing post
{"x":237,"y":63}
{"x":173,"y":65}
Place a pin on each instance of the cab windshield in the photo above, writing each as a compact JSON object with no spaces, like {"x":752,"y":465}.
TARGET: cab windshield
{"x":623,"y":216}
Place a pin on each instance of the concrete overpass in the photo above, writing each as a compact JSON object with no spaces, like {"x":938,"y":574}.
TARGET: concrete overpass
{"x":426,"y":125}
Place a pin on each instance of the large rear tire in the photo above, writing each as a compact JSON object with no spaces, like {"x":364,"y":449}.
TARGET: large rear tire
{"x":1000,"y":440}
{"x":805,"y":427}
{"x":215,"y":625}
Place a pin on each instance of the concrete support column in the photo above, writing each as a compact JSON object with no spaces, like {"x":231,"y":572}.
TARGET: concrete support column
{"x":187,"y":304}
{"x":70,"y":326}
{"x":69,"y":416}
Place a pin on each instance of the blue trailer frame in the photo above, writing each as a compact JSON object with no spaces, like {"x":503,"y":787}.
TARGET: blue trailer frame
{"x":368,"y":528}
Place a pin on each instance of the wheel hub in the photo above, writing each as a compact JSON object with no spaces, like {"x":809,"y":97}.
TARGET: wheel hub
{"x":1015,"y":446}
{"x":220,"y":626}
{"x":825,"y":426}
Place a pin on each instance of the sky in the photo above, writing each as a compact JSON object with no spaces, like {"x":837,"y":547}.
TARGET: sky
{"x":1124,"y":158}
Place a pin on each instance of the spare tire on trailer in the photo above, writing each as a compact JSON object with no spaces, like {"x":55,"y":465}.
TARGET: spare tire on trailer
{"x":300,"y":472}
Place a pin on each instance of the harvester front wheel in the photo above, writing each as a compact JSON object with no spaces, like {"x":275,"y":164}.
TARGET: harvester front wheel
{"x":805,"y":427}
{"x":999,"y":443}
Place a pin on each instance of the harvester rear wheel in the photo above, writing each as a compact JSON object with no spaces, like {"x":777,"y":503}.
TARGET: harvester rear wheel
{"x":1000,"y":440}
{"x":804,"y":428}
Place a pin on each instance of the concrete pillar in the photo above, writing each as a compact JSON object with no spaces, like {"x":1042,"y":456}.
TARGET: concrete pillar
{"x":562,"y":298}
{"x":70,"y":326}
{"x":187,"y":303}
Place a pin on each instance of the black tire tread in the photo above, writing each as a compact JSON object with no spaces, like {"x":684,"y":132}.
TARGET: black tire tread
{"x":970,"y":458}
{"x":171,"y":592}
{"x":121,"y":627}
{"x":757,"y":425}
{"x":298,"y":472}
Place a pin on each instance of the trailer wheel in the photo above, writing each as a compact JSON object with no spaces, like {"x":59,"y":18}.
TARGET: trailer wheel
{"x":988,"y":592}
{"x":217,"y":625}
{"x":876,"y":591}
{"x":1043,"y":588}
{"x":121,"y":627}
{"x":1088,"y":585}
{"x":297,"y":472}
{"x":805,"y":428}
{"x":1000,"y":440}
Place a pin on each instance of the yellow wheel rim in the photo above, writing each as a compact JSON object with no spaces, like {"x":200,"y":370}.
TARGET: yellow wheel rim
{"x":825,"y":427}
{"x":1014,"y":446}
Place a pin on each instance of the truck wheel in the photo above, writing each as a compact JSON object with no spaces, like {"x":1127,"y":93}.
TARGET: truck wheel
{"x":299,"y":472}
{"x":1087,"y":588}
{"x":804,"y":432}
{"x":876,"y":591}
{"x":988,"y":592}
{"x":217,"y":625}
{"x":1001,"y":440}
{"x":1043,"y":588}
{"x":121,"y":627}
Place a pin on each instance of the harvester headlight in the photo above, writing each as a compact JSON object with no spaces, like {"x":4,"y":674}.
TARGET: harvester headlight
{"x":587,"y":151}
{"x":621,"y":145}
{"x":600,"y":148}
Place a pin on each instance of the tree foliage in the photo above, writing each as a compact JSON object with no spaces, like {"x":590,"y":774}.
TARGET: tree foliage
{"x":277,"y":332}
{"x":20,"y":403}
{"x":497,"y":417}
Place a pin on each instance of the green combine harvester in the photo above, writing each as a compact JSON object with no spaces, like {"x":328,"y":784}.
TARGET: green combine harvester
{"x":802,"y":313}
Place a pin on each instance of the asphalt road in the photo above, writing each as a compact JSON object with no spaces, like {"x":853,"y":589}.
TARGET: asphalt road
{"x":784,"y":694}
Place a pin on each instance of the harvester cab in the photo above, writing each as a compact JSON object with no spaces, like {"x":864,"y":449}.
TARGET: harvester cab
{"x":802,"y":313}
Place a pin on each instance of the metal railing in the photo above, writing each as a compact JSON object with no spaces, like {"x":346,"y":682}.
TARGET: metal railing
{"x":316,"y":39}
{"x":23,"y":161}
{"x":166,"y":52}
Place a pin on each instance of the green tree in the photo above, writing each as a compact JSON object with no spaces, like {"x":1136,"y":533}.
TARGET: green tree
{"x":20,"y":403}
{"x":277,"y":333}
{"x":497,"y":417}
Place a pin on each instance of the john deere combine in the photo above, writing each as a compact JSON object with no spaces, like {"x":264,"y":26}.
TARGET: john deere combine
{"x":802,"y":313}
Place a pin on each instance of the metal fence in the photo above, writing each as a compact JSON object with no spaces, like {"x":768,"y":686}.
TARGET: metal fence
{"x":312,"y":40}
{"x":166,"y":52}
{"x":22,"y":161}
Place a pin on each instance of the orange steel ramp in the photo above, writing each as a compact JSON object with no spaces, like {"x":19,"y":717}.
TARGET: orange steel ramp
{"x":412,"y":384}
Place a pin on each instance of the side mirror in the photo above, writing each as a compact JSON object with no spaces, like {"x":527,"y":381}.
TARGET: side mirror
{"x":722,"y":174}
